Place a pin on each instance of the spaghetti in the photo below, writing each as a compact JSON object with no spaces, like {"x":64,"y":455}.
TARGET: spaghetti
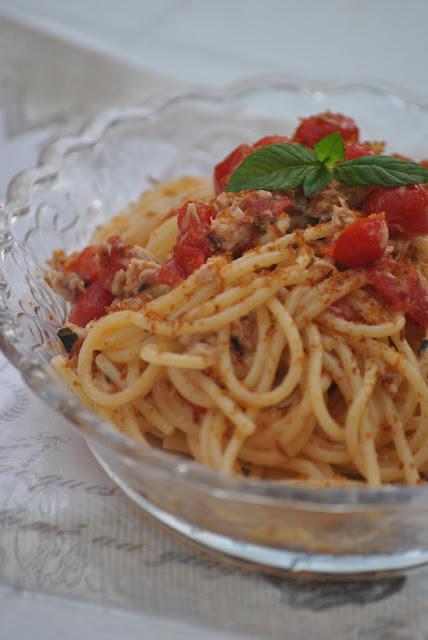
{"x":222,"y":327}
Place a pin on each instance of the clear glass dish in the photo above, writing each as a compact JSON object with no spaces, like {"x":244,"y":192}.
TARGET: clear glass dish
{"x":83,"y":180}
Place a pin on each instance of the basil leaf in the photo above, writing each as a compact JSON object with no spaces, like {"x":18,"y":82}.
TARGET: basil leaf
{"x":316,"y":179}
{"x":276,"y":166}
{"x":330,"y":150}
{"x":386,"y":171}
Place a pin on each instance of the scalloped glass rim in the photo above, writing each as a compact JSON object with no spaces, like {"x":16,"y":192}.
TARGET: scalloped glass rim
{"x":33,"y":369}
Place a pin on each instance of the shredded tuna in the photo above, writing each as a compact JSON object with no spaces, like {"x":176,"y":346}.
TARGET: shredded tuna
{"x":330,"y":204}
{"x":138,"y":276}
{"x":336,"y":202}
{"x":139,"y":272}
{"x":248,"y":220}
{"x":67,"y":285}
{"x":355,"y":196}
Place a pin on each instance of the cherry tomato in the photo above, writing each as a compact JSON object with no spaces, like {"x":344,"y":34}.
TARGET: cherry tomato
{"x":91,"y":304}
{"x":314,"y":128}
{"x":266,"y":140}
{"x":355,"y":150}
{"x":170,"y":274}
{"x":406,"y":209}
{"x":192,"y":248}
{"x":224,"y":169}
{"x":204,"y":215}
{"x":403,"y":287}
{"x":362,"y":242}
{"x":87,"y":263}
{"x":188,"y":258}
{"x":94,"y":262}
{"x":96,"y":266}
{"x":193,"y":225}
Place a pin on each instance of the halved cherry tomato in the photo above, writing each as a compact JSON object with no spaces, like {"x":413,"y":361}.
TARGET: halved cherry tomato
{"x":224,"y":169}
{"x":91,"y":304}
{"x":355,"y":150}
{"x":403,"y":287}
{"x":406,"y":209}
{"x":362,"y":242}
{"x":316,"y":127}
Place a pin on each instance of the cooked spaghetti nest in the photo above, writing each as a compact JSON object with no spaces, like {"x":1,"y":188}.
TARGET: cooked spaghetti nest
{"x":245,"y":368}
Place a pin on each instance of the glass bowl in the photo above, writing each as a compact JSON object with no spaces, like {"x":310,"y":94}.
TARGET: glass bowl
{"x":83,"y":180}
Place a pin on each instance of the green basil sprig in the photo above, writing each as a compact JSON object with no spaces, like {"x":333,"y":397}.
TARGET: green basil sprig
{"x":286,"y":166}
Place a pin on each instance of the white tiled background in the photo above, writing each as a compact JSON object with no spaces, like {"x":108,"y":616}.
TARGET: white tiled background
{"x":218,"y":41}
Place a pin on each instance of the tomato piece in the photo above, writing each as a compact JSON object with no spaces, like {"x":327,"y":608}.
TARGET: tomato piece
{"x":406,"y":209}
{"x":95,"y":263}
{"x":193,"y":221}
{"x":86,"y":264}
{"x":188,"y":258}
{"x":97,"y":266}
{"x":194,"y":238}
{"x":355,"y":150}
{"x":91,"y":304}
{"x":403,"y":287}
{"x":170,"y":274}
{"x":224,"y":169}
{"x":203,"y":217}
{"x":316,"y":127}
{"x":192,"y":248}
{"x":266,"y":140}
{"x":116,"y":262}
{"x":362,"y":242}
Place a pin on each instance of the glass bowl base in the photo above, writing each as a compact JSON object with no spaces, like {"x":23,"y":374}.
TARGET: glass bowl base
{"x":356,"y":566}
